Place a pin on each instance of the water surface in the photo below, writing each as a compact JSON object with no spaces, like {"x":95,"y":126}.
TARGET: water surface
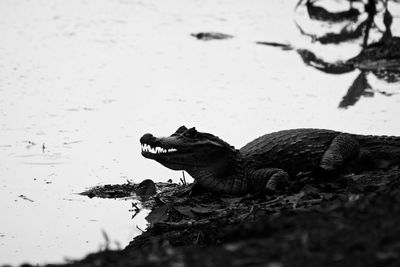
{"x":81,"y":81}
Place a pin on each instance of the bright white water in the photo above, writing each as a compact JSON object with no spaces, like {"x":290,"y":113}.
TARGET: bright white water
{"x":82,"y":80}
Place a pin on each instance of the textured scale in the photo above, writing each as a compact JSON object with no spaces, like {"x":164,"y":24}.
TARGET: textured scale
{"x":272,"y":159}
{"x":302,"y":150}
{"x":290,"y":150}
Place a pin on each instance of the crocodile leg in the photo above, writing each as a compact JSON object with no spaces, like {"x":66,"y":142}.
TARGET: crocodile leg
{"x":276,"y":178}
{"x":342,"y":149}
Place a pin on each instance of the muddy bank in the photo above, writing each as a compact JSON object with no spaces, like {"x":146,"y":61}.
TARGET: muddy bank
{"x":350,"y":222}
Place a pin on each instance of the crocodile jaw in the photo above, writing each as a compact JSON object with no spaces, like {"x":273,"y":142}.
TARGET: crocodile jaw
{"x":189,"y":150}
{"x":170,"y":157}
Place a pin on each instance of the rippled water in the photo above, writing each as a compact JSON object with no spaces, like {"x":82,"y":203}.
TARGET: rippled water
{"x":82,"y":80}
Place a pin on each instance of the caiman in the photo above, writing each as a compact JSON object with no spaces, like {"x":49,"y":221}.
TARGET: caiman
{"x":270,"y":161}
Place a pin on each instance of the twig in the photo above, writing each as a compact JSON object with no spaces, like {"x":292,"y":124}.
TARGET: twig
{"x":188,"y":224}
{"x":183,"y":180}
{"x":134,"y":205}
{"x":245,"y":216}
{"x":135,"y":209}
{"x":198,"y":238}
{"x":106,"y":239}
{"x":140,"y":229}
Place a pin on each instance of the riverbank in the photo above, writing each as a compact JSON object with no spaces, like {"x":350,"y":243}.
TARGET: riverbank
{"x":353,"y":221}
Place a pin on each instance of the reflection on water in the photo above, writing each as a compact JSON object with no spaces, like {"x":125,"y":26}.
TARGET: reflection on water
{"x":81,"y":81}
{"x":381,"y":58}
{"x":320,"y":13}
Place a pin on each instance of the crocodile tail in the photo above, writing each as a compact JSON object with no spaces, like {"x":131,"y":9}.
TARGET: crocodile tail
{"x":385,"y":149}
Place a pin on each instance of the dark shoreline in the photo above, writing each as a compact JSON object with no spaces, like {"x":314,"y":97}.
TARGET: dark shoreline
{"x":348,"y":223}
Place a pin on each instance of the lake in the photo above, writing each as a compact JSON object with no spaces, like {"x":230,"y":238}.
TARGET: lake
{"x":82,"y":80}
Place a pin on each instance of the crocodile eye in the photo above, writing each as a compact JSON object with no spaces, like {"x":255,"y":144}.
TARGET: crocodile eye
{"x":191,"y":133}
{"x":181,"y":129}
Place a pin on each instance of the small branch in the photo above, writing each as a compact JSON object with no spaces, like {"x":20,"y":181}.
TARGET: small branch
{"x":140,"y":229}
{"x":183,"y":179}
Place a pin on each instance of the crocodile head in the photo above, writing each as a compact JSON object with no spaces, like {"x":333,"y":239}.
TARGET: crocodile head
{"x":189,"y":150}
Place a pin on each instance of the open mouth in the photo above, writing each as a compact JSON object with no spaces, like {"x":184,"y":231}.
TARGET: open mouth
{"x":156,"y":150}
{"x":171,"y":157}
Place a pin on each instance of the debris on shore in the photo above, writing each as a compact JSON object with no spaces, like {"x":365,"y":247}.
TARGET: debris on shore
{"x":353,"y":221}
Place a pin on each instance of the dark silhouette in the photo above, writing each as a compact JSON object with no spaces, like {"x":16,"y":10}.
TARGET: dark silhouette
{"x":360,"y":87}
{"x":269,"y":162}
{"x":207,"y":36}
{"x":319,"y":13}
{"x":381,"y":58}
{"x":347,"y":33}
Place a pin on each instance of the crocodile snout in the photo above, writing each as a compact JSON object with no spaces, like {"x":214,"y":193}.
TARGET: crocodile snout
{"x":147,"y":139}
